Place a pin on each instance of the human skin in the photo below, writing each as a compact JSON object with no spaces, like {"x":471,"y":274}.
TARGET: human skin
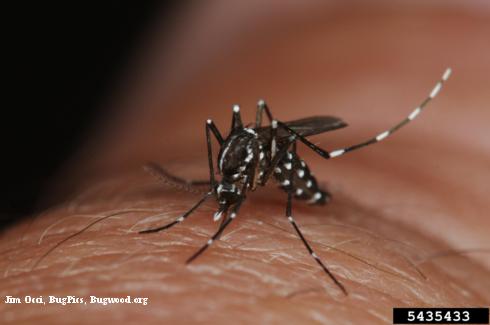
{"x":402,"y":210}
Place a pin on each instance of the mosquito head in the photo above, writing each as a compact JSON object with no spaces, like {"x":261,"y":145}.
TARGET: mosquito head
{"x":228,"y":193}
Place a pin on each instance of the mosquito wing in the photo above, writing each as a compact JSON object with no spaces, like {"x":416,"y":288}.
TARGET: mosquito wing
{"x":306,"y":127}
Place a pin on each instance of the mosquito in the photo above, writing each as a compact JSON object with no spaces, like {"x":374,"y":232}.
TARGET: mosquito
{"x":249,"y":156}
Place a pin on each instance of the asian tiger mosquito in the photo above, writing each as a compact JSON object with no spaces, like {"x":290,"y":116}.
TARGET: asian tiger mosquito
{"x":249,"y":156}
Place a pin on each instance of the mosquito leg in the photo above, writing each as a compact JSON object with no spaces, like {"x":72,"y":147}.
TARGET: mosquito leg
{"x":223,"y":221}
{"x":383,"y":135}
{"x":236,"y":121}
{"x":325,"y":154}
{"x":226,"y":221}
{"x":179,"y":219}
{"x":217,"y":234}
{"x":211,"y":127}
{"x":303,"y":239}
{"x":261,"y":107}
{"x":310,"y":250}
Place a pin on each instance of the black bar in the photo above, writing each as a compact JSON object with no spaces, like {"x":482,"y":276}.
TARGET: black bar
{"x":440,"y":315}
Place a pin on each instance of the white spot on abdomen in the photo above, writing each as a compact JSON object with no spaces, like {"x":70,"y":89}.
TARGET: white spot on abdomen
{"x":300,"y":173}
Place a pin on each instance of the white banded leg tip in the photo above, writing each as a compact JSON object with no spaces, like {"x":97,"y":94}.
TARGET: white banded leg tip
{"x":261,"y":102}
{"x":236,"y":108}
{"x":208,"y":121}
{"x":382,"y":135}
{"x":414,"y":113}
{"x":274,"y":124}
{"x":336,"y":153}
{"x":436,"y":90}
{"x":447,"y":74}
{"x":217,"y":216}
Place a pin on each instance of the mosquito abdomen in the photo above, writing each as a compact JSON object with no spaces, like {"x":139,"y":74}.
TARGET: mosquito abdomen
{"x":304,"y":184}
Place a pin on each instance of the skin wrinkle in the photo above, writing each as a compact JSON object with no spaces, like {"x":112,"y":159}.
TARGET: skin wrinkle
{"x":100,"y":219}
{"x":357,"y":258}
{"x":451,"y":253}
{"x":60,"y":221}
{"x":334,"y":247}
{"x":237,"y":232}
{"x":409,"y":261}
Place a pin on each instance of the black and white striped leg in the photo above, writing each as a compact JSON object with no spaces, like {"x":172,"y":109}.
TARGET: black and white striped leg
{"x":303,"y":239}
{"x":261,"y":108}
{"x":179,"y":219}
{"x":273,"y":144}
{"x":223,"y":221}
{"x":325,"y":154}
{"x":218,"y":233}
{"x":383,"y":135}
{"x":211,"y":127}
{"x":236,"y":121}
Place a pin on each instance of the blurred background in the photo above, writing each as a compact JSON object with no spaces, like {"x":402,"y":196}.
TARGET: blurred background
{"x":67,"y":58}
{"x":106,"y":88}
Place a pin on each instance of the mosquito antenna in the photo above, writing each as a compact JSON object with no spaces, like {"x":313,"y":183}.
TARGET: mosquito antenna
{"x":179,"y":219}
{"x":176,"y":182}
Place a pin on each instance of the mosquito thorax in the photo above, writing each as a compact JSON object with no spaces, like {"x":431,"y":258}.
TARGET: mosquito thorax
{"x":239,"y":151}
